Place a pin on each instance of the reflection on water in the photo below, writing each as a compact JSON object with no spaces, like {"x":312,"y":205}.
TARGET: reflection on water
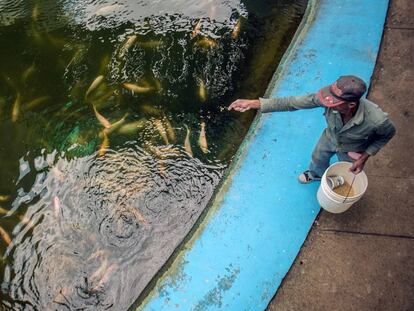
{"x":113,"y":135}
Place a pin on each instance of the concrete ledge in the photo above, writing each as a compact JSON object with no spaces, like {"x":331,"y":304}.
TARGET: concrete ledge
{"x":258,"y":220}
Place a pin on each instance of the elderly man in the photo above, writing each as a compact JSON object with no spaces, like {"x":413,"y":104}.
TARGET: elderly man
{"x":356,"y":127}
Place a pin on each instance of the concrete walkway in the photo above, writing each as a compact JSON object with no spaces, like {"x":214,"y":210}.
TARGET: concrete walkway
{"x":364,"y":259}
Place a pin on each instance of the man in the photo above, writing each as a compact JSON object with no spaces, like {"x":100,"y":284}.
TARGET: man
{"x":356,"y":127}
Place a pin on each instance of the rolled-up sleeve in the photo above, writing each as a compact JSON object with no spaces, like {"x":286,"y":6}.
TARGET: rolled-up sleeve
{"x":289,"y":103}
{"x":383,"y":133}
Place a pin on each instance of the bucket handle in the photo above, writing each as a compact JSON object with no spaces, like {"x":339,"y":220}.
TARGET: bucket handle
{"x":350,"y":187}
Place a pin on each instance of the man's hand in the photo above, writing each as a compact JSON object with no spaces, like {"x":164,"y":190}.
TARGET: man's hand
{"x":243,"y":105}
{"x":359,"y":164}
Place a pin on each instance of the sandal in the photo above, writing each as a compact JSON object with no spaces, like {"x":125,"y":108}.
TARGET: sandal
{"x":306,"y":177}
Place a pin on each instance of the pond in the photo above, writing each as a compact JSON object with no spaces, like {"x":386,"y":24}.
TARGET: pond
{"x":114,"y":134}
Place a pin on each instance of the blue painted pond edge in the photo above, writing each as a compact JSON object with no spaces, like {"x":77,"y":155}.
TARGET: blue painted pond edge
{"x":258,"y":219}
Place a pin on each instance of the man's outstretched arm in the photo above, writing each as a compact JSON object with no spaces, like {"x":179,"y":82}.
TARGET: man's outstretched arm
{"x":290,"y":103}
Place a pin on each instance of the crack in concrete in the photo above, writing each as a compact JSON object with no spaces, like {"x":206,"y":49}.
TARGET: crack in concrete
{"x":387,"y":176}
{"x":400,"y":28}
{"x":399,"y":236}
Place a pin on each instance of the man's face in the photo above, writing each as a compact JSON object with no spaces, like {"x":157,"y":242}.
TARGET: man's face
{"x":345,"y":107}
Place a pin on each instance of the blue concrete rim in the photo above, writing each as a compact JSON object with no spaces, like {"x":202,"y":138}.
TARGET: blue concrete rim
{"x":238,"y":256}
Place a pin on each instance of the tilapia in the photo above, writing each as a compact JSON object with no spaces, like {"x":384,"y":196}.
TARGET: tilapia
{"x":3,"y":211}
{"x":187,"y":144}
{"x":138,"y":215}
{"x":137,"y":88}
{"x":170,"y":131}
{"x":4,"y":197}
{"x":202,"y":94}
{"x":16,"y":108}
{"x":101,"y":118}
{"x":98,"y":80}
{"x":97,"y":254}
{"x":236,"y":29}
{"x":103,"y":65}
{"x":151,"y":44}
{"x":28,"y":73}
{"x":5,"y":236}
{"x":127,"y":45}
{"x":160,"y":128}
{"x":107,"y":9}
{"x":35,"y":13}
{"x":197,"y":29}
{"x":116,"y":125}
{"x":206,"y":43}
{"x":105,"y":278}
{"x":132,"y":126}
{"x":202,"y":140}
{"x":104,"y":144}
{"x":37,"y":102}
{"x":148,"y":109}
{"x":99,"y":272}
{"x":56,"y":207}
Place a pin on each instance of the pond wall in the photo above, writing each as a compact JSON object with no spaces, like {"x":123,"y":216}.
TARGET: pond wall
{"x":260,"y":216}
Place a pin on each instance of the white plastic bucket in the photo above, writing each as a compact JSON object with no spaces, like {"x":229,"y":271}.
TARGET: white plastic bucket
{"x":334,"y":202}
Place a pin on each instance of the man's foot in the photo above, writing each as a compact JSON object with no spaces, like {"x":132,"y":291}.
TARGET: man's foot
{"x":306,"y":177}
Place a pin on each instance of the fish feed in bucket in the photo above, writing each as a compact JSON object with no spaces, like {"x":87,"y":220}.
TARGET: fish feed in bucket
{"x":336,"y":200}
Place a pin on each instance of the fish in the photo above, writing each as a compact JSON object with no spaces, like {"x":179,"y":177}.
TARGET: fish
{"x":160,"y":128}
{"x":5,"y":236}
{"x":236,"y":29}
{"x":100,"y":271}
{"x":138,"y":215}
{"x":30,"y":224}
{"x":116,"y":125}
{"x":170,"y":131}
{"x":151,"y":44}
{"x":103,"y":65}
{"x":108,"y":9}
{"x":101,"y":118}
{"x":127,"y":45}
{"x":37,"y":37}
{"x":28,"y":73}
{"x":132,"y":126}
{"x":16,"y":108}
{"x":4,"y":197}
{"x":3,"y":211}
{"x":158,"y":86}
{"x":187,"y":145}
{"x":148,"y":109}
{"x":35,"y":13}
{"x":98,"y":80}
{"x":202,"y":94}
{"x":105,"y":278}
{"x":137,"y":88}
{"x":202,"y":140}
{"x":104,"y":144}
{"x":97,"y":254}
{"x":77,"y":56}
{"x":206,"y":43}
{"x":35,"y":103}
{"x":196,"y":29}
{"x":56,"y":207}
{"x":163,"y":151}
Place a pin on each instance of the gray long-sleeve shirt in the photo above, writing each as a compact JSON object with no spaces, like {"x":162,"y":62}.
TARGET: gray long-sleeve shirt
{"x":368,"y":130}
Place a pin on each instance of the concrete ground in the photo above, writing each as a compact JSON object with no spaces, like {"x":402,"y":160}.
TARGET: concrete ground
{"x":363,"y":259}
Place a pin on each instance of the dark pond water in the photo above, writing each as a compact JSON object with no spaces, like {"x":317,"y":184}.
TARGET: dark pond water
{"x":114,"y":135}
